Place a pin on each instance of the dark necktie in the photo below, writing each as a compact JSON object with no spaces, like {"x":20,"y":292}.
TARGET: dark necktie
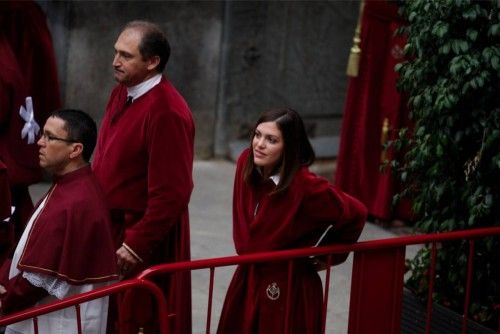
{"x":120,"y":112}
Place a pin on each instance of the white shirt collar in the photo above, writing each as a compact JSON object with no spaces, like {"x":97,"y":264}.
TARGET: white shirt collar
{"x":144,"y":87}
{"x":275,"y":178}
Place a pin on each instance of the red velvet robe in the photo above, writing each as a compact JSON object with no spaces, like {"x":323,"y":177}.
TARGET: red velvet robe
{"x":371,"y":98}
{"x":4,"y":194}
{"x":6,"y":231}
{"x":20,"y":158}
{"x":295,"y":219}
{"x":70,"y":239}
{"x":24,"y":27}
{"x":144,"y":161}
{"x":29,"y":35}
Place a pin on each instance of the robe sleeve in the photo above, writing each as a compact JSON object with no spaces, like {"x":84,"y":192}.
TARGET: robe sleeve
{"x":20,"y":294}
{"x":326,"y":204}
{"x":170,"y":162}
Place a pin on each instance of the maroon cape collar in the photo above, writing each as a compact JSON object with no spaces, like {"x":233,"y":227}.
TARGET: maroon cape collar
{"x":68,"y":177}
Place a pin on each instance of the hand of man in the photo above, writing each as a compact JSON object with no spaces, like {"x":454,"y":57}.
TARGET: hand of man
{"x":126,"y":261}
{"x":2,"y":290}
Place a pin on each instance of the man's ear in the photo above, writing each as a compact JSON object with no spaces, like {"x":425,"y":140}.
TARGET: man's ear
{"x":153,"y":62}
{"x":76,"y":151}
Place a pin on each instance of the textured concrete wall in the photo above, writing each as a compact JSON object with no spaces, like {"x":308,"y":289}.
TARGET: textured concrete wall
{"x":231,"y":60}
{"x":287,"y":53}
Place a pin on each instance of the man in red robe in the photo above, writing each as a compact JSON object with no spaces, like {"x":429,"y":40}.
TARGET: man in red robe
{"x":144,"y":161}
{"x":35,"y":88}
{"x":374,"y":112}
{"x":67,"y":246}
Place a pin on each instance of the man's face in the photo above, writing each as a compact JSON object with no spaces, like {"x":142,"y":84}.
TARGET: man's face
{"x":55,"y":147}
{"x":130,"y":68}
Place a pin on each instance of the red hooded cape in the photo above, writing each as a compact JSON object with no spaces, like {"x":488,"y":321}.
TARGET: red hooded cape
{"x":71,"y":237}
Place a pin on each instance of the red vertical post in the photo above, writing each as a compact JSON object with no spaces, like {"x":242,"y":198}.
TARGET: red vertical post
{"x":377,"y":291}
{"x":432,"y":279}
{"x":288,"y":305}
{"x":468,"y":284}
{"x":325,"y":295}
{"x":78,"y":319}
{"x":210,"y":298}
{"x":35,"y":324}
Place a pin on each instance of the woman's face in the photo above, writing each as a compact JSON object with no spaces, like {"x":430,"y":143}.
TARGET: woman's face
{"x":267,"y":145}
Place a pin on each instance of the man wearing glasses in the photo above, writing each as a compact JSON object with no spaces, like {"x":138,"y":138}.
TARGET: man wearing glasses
{"x":67,"y":247}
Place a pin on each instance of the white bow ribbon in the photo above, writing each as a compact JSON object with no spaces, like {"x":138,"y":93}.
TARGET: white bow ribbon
{"x":31,"y":127}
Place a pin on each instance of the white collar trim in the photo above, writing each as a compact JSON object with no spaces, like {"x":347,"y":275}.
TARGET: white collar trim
{"x":144,"y":87}
{"x":275,"y":178}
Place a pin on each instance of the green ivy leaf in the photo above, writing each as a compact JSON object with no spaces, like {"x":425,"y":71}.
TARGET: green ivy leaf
{"x":494,"y":62}
{"x":472,"y":34}
{"x":494,"y":30}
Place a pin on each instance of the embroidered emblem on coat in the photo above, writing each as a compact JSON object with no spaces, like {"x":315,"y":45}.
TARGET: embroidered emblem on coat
{"x":273,"y":291}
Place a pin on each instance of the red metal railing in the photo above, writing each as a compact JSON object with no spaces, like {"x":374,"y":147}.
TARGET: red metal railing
{"x":376,"y":283}
{"x":76,"y":300}
{"x":377,"y":276}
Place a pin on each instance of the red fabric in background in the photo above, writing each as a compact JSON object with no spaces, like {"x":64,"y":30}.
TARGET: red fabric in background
{"x":29,"y":36}
{"x":371,"y":98}
{"x":28,"y":68}
{"x":6,"y":231}
{"x":4,"y":192}
{"x":20,"y":159}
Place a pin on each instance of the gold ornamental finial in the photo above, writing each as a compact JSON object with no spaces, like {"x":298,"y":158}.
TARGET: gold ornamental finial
{"x":141,"y":330}
{"x":384,"y":136}
{"x":355,"y":53}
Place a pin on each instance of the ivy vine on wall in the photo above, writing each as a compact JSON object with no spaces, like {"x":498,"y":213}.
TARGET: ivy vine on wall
{"x":452,"y":162}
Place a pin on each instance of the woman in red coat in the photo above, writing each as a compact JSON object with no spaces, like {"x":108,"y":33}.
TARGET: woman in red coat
{"x":279,"y":204}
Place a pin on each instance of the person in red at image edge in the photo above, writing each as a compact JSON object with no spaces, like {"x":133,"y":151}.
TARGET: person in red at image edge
{"x":4,"y":193}
{"x":29,"y":71}
{"x":67,"y":247}
{"x":144,"y":162}
{"x":28,"y":33}
{"x":279,"y":204}
{"x":19,"y":158}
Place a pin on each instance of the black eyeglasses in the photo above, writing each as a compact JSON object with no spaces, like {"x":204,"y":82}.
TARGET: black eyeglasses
{"x":50,"y":138}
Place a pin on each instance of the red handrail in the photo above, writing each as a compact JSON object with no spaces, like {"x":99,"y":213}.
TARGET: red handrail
{"x":367,"y":253}
{"x":334,"y":249}
{"x":390,"y":250}
{"x":94,"y":294}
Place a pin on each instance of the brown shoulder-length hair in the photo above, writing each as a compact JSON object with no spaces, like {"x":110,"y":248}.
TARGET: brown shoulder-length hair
{"x":297,"y":149}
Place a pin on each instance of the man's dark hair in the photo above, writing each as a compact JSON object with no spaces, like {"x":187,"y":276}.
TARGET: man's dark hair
{"x":153,"y":42}
{"x":81,"y":128}
{"x":297,"y":149}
